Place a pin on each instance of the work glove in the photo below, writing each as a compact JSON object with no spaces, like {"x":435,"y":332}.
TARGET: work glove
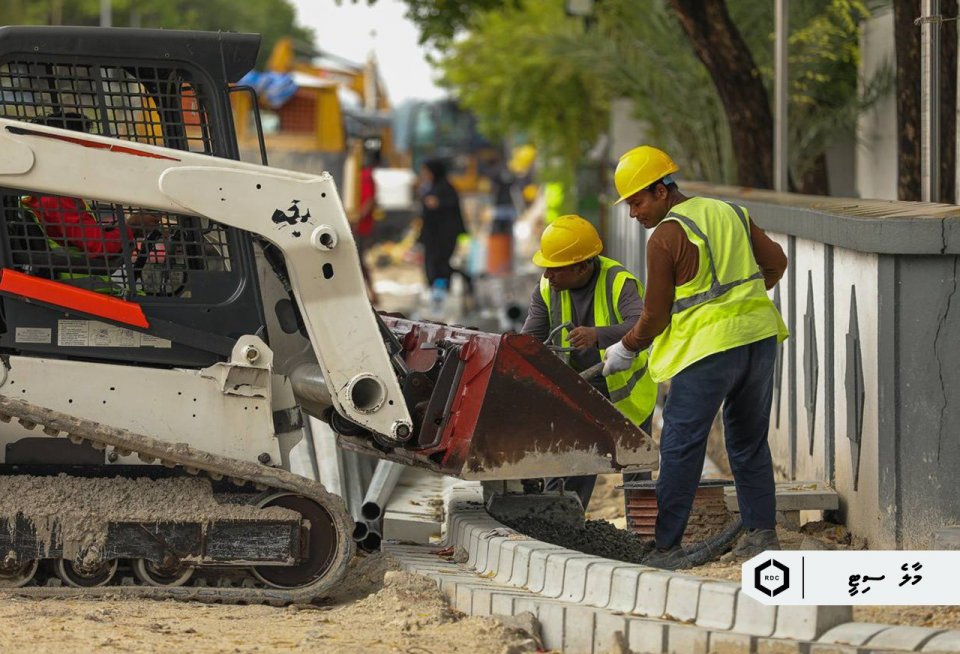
{"x":617,"y":359}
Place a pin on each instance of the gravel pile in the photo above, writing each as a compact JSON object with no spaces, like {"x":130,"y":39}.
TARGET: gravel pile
{"x":597,"y":537}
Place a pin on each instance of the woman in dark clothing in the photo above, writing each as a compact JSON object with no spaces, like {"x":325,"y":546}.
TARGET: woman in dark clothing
{"x":442,"y":222}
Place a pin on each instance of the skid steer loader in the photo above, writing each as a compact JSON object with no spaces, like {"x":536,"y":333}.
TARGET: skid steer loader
{"x":167,"y":316}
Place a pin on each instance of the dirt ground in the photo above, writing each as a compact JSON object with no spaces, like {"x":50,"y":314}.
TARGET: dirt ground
{"x":607,"y":504}
{"x":377,"y":609}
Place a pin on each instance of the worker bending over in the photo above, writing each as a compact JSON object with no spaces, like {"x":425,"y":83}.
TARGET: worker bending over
{"x":599,"y":301}
{"x":714,"y":334}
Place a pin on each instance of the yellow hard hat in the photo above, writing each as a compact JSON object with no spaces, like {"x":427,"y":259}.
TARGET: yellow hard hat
{"x":567,"y":240}
{"x":523,"y":157}
{"x":641,"y":167}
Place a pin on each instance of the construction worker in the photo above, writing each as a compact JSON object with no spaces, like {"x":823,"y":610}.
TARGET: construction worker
{"x":601,"y":300}
{"x":714,"y":334}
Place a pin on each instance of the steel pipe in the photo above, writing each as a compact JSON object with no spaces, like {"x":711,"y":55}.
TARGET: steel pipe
{"x":384,"y":480}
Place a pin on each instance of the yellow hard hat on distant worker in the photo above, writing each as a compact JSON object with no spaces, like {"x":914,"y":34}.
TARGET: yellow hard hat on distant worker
{"x":523,"y":157}
{"x":641,"y":167}
{"x":567,"y":240}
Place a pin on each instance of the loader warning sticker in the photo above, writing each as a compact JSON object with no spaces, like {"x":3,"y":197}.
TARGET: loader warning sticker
{"x":93,"y":333}
{"x":33,"y":335}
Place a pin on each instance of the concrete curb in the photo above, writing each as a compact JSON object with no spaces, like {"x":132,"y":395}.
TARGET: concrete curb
{"x":582,"y":600}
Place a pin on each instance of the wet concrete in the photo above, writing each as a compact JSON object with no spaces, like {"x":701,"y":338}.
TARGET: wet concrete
{"x":597,"y":537}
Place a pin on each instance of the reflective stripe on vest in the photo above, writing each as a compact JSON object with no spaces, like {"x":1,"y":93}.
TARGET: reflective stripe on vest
{"x":631,"y":391}
{"x":726,"y":304}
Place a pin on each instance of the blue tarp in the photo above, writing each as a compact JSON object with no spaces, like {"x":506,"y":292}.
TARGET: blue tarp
{"x":273,"y":88}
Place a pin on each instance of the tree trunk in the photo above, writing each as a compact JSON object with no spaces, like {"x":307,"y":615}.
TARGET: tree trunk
{"x":907,"y":36}
{"x":816,"y":180}
{"x":718,"y":44}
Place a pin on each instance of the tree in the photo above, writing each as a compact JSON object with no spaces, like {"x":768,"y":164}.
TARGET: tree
{"x":907,"y":36}
{"x":726,"y":56}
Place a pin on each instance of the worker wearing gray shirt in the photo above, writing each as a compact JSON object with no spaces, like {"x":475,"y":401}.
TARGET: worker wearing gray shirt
{"x":602,"y":301}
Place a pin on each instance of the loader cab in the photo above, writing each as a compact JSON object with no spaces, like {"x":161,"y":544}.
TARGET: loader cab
{"x":194,"y":279}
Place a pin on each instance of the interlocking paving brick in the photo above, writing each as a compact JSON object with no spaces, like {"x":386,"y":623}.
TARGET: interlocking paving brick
{"x":683,"y":596}
{"x":652,"y":593}
{"x":853,"y":633}
{"x":725,"y":642}
{"x":605,"y":628}
{"x":810,"y":622}
{"x":683,"y":639}
{"x":557,"y":564}
{"x":575,"y":578}
{"x":646,"y":636}
{"x":600,"y":582}
{"x":522,"y":557}
{"x":753,"y":617}
{"x":717,"y":608}
{"x":623,"y":588}
{"x":538,"y":566}
{"x":578,"y":629}
{"x":779,"y":646}
{"x":824,"y":648}
{"x":910,"y":638}
{"x":949,"y":641}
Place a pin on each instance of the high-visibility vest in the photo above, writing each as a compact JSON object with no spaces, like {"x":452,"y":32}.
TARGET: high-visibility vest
{"x":91,"y":282}
{"x":631,"y":391}
{"x":726,"y":304}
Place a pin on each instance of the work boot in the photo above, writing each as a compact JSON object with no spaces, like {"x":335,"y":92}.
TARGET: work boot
{"x":672,"y":558}
{"x":755,"y":541}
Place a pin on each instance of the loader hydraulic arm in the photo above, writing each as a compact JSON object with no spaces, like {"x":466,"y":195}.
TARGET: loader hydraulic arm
{"x":299,"y":213}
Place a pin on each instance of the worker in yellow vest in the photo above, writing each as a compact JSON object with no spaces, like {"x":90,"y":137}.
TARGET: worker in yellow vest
{"x":713,"y":331}
{"x":601,"y":301}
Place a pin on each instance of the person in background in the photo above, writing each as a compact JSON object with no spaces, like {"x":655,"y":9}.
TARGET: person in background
{"x":602,"y":301}
{"x":363,"y":216}
{"x":714,"y":334}
{"x":442,"y":224}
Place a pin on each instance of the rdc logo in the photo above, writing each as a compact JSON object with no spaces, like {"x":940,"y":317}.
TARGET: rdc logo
{"x":771,"y":578}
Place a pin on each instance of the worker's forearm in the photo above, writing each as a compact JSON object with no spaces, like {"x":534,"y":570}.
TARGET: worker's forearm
{"x":650,"y":325}
{"x":769,"y":255}
{"x":607,"y":336}
{"x":537,"y":323}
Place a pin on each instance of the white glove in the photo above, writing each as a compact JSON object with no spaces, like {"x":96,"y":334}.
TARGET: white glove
{"x":617,"y":358}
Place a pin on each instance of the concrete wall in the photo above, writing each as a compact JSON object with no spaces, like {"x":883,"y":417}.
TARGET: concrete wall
{"x":867,"y":394}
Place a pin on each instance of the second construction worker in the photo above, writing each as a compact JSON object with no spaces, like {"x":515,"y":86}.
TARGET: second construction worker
{"x":714,"y":334}
{"x":600,"y":301}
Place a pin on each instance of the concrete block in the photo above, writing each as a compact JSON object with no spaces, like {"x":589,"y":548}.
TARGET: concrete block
{"x":505,"y":562}
{"x":538,"y":566}
{"x":502,"y":603}
{"x":557,"y":565}
{"x":683,"y":639}
{"x":910,"y":638}
{"x":522,"y":559}
{"x":683,"y":597}
{"x":825,"y":648}
{"x":482,"y":603}
{"x":575,"y":578}
{"x":647,"y":636}
{"x":606,"y":626}
{"x":490,"y":554}
{"x":729,"y":643}
{"x":463,"y":598}
{"x":578,"y":628}
{"x":853,"y":633}
{"x":948,"y":641}
{"x":551,"y":617}
{"x":717,"y":608}
{"x":810,"y":622}
{"x":623,"y":588}
{"x":652,"y":593}
{"x":753,"y":617}
{"x":600,"y":583}
{"x":778,"y":646}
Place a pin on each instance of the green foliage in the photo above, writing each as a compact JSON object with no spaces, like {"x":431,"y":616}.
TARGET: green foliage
{"x":270,"y":18}
{"x":516,"y":73}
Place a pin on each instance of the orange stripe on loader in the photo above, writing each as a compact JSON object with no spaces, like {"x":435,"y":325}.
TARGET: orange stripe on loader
{"x":70,"y":297}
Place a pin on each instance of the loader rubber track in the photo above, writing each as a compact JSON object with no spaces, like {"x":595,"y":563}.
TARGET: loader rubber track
{"x":54,"y":423}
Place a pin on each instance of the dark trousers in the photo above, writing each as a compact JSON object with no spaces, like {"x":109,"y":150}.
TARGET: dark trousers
{"x":741,"y":380}
{"x":583,"y":485}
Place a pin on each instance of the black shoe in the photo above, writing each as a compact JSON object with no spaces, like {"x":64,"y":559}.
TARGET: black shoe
{"x":673,"y":558}
{"x":756,"y":541}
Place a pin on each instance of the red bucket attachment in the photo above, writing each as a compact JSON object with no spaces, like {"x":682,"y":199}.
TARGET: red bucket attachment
{"x":502,"y":406}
